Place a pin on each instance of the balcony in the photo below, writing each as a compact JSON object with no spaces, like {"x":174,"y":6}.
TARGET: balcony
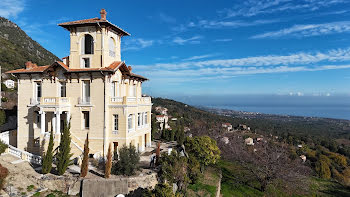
{"x":54,"y":101}
{"x":84,"y":101}
{"x":127,"y":100}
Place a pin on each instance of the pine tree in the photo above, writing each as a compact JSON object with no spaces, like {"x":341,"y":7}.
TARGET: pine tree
{"x":47,"y":159}
{"x":85,"y":163}
{"x":108,"y":163}
{"x":64,"y":155}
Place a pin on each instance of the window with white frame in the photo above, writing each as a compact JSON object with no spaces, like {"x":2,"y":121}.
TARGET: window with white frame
{"x":38,"y":91}
{"x":115,"y":123}
{"x":114,"y":92}
{"x":86,"y":119}
{"x":63,"y":89}
{"x":146,"y":116}
{"x":132,"y":90}
{"x":138,"y":119}
{"x":130,"y":123}
{"x":111,"y":47}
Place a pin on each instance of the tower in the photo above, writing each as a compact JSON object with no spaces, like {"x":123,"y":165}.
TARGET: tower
{"x":94,"y":43}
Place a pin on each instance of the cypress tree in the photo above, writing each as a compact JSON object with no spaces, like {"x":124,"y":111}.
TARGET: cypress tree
{"x":47,"y":159}
{"x":85,"y":163}
{"x":108,"y":163}
{"x":64,"y":155}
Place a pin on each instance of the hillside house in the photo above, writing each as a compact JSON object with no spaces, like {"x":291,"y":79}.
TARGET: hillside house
{"x":161,"y":110}
{"x":163,"y":119}
{"x":9,"y":83}
{"x":92,"y":89}
{"x":249,"y":141}
{"x":227,"y":126}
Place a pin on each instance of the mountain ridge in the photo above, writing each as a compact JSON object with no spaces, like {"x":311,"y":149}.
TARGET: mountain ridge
{"x":16,"y":48}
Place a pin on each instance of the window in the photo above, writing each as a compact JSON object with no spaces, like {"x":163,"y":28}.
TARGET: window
{"x":130,"y":125}
{"x":86,"y":92}
{"x":86,"y":62}
{"x":37,"y":118}
{"x":38,"y":91}
{"x":115,"y":123}
{"x":87,"y":45}
{"x":146,"y":116}
{"x":138,"y":119}
{"x":132,"y":90}
{"x":63,"y":89}
{"x":86,"y":119}
{"x":111,"y":47}
{"x":114,"y":89}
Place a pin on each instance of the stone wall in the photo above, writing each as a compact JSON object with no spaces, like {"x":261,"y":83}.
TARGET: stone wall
{"x":113,"y":187}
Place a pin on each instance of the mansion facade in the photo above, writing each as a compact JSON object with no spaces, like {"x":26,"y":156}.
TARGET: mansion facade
{"x":91,"y":89}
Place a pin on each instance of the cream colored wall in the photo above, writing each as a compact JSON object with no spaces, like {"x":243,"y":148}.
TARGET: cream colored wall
{"x":101,"y":47}
{"x":27,"y":130}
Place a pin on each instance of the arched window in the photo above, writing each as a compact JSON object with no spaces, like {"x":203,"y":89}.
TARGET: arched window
{"x":87,"y":44}
{"x":111,"y":44}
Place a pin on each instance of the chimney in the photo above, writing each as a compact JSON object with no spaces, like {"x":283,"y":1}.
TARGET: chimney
{"x":103,"y":14}
{"x":30,"y":65}
{"x":130,"y":69}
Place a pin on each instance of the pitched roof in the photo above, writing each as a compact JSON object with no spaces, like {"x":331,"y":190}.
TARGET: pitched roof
{"x":93,"y":21}
{"x":113,"y":67}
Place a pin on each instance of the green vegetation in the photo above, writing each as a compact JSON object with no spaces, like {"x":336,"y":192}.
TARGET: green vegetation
{"x":64,"y":154}
{"x":128,"y":161}
{"x":17,"y":48}
{"x":275,"y":169}
{"x":204,"y":149}
{"x":3,"y":147}
{"x":85,"y":163}
{"x":2,"y":117}
{"x":48,"y":156}
{"x":206,"y":185}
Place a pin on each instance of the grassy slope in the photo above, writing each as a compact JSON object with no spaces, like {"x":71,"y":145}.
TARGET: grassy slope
{"x":207,"y":184}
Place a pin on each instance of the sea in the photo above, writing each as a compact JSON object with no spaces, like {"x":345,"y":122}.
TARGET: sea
{"x":337,"y":107}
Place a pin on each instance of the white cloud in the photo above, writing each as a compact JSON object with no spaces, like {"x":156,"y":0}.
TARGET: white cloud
{"x":137,"y":44}
{"x":257,"y":7}
{"x":192,"y":40}
{"x":11,"y":8}
{"x":197,"y":57}
{"x":223,"y":40}
{"x":308,"y":30}
{"x":228,"y":68}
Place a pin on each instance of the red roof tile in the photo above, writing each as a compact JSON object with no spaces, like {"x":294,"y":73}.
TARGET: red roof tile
{"x":93,"y":21}
{"x":111,"y":68}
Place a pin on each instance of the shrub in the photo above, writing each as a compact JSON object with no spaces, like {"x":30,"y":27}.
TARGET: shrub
{"x":64,"y":155}
{"x":3,"y":174}
{"x":3,"y":147}
{"x":47,"y":158}
{"x":322,"y":167}
{"x":204,"y":149}
{"x":128,"y":161}
{"x":163,"y":190}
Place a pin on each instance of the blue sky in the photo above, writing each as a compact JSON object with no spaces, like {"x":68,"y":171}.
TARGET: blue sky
{"x":283,"y":47}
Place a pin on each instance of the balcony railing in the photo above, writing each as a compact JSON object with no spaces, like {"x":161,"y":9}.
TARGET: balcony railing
{"x":130,"y":100}
{"x":34,"y":101}
{"x":84,"y":101}
{"x":54,"y":101}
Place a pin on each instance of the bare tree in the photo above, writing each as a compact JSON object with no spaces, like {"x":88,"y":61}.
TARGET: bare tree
{"x":266,"y":162}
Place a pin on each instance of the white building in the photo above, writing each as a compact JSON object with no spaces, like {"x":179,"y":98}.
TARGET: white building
{"x":9,"y":84}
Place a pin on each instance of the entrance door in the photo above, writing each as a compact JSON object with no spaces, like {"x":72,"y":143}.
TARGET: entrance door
{"x":145,"y":140}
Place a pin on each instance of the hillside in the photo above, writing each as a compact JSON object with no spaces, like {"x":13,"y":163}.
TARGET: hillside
{"x":271,"y":166}
{"x":16,"y":48}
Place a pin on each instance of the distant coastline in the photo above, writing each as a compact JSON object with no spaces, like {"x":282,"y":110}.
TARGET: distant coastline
{"x":333,"y":112}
